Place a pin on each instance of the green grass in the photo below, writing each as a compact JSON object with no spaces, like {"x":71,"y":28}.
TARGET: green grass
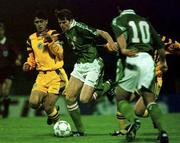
{"x":35,"y":130}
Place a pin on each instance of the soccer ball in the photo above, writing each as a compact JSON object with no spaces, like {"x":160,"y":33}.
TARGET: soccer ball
{"x":62,"y":129}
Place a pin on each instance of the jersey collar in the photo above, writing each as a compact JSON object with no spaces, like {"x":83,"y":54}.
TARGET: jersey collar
{"x":41,"y":33}
{"x":128,"y":11}
{"x":73,"y":23}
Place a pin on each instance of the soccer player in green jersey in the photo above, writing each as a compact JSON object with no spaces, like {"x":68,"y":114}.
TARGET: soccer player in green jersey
{"x":88,"y":67}
{"x":138,"y":40}
{"x":171,"y":47}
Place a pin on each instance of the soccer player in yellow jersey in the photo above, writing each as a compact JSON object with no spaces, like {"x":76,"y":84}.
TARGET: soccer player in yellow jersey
{"x":46,"y":56}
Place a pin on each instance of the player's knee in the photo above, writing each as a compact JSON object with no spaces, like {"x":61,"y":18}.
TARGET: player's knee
{"x":34,"y":103}
{"x":48,"y":108}
{"x":141,"y":113}
{"x":84,"y":99}
{"x":70,"y":99}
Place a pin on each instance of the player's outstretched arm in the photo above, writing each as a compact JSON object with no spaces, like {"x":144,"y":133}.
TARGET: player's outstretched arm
{"x":122,"y":45}
{"x":110,"y":43}
{"x":54,"y":45}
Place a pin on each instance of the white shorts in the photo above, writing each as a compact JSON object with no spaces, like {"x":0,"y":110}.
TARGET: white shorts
{"x":89,"y":73}
{"x":139,"y":72}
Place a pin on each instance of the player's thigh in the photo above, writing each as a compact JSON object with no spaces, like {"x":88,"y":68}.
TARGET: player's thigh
{"x":50,"y":100}
{"x":122,"y":94}
{"x":148,"y":97}
{"x":73,"y":88}
{"x":36,"y":97}
{"x":64,"y":77}
{"x":86,"y":93}
{"x":130,"y":79}
{"x":140,"y":106}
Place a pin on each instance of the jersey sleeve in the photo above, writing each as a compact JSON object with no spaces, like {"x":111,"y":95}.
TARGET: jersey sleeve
{"x":56,"y":39}
{"x":118,"y":27}
{"x":56,"y":48}
{"x":86,"y":30}
{"x":31,"y":58}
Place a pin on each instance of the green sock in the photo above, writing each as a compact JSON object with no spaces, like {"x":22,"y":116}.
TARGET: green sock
{"x":127,"y":110}
{"x":156,"y":115}
{"x":74,"y":112}
{"x":102,"y":88}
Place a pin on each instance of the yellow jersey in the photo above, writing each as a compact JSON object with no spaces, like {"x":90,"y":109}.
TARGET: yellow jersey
{"x":39,"y":54}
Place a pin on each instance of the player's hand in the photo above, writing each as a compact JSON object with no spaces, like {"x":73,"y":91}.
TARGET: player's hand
{"x":129,"y":52}
{"x":18,"y":62}
{"x":48,"y":38}
{"x":26,"y":66}
{"x":163,"y":67}
{"x":111,"y":46}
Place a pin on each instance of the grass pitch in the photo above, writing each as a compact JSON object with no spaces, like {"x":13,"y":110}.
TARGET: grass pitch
{"x":35,"y":130}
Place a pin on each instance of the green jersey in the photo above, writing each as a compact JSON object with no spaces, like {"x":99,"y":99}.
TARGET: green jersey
{"x":82,"y":40}
{"x":139,"y":33}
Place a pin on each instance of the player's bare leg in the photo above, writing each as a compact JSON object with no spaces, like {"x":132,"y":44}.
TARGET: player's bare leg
{"x":140,"y":108}
{"x":73,"y":90}
{"x":51,"y":110}
{"x":36,"y":98}
{"x":86,"y":93}
{"x":155,"y":113}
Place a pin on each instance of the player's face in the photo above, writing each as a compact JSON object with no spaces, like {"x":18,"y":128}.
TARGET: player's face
{"x":40,"y":24}
{"x":64,"y":24}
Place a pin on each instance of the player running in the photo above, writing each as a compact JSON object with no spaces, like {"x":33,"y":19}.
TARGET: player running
{"x":138,"y":40}
{"x":89,"y":65}
{"x":46,"y":56}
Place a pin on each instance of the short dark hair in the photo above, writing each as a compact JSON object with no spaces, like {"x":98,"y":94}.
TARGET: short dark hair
{"x":64,"y":14}
{"x":41,"y":14}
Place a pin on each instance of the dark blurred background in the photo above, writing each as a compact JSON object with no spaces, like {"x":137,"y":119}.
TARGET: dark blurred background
{"x":163,"y":14}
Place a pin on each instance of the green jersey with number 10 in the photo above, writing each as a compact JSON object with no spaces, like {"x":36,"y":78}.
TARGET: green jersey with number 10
{"x":139,"y":33}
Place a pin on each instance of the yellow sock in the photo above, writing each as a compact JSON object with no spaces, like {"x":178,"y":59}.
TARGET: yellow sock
{"x":54,"y":115}
{"x":122,"y":123}
{"x":146,"y":113}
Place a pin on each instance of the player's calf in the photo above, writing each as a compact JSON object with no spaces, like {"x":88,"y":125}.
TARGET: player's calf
{"x":54,"y":116}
